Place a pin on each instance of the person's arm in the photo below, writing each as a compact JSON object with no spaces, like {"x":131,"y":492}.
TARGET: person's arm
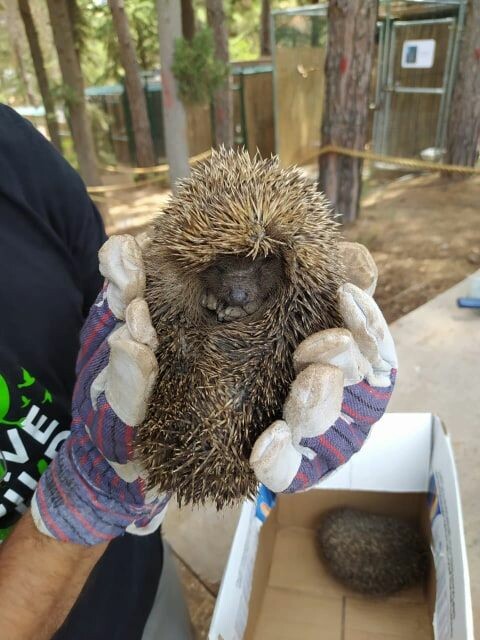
{"x":40,"y":579}
{"x":92,"y":491}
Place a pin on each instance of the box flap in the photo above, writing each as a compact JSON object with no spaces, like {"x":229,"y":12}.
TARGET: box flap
{"x":232,"y":605}
{"x":453,"y":617}
{"x":231,"y":608}
{"x":395,"y":457}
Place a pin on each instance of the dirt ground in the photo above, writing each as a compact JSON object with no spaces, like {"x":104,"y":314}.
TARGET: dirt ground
{"x":424,"y":233}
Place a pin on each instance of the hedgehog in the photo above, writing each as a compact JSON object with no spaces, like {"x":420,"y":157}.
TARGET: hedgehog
{"x":376,"y":555}
{"x":243,"y":264}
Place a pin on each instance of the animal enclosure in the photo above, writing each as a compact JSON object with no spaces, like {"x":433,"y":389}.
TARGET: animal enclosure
{"x":252,"y":94}
{"x":417,"y":51}
{"x":116,"y":137}
{"x":416,"y":55}
{"x":252,"y":88}
{"x":299,"y":49}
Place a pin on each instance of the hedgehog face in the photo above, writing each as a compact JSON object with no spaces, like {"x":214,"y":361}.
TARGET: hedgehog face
{"x":236,"y":286}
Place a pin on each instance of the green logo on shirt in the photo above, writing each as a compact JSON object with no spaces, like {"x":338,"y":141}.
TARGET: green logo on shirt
{"x":28,"y":381}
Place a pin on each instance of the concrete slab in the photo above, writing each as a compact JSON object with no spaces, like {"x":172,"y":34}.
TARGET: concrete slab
{"x":202,"y":537}
{"x":200,"y":602}
{"x":438,"y":348}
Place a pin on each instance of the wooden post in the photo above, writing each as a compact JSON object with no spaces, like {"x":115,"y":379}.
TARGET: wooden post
{"x":188,"y":19}
{"x":348,"y":66}
{"x":265,"y":46}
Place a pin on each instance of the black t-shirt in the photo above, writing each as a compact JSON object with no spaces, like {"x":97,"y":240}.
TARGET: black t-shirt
{"x":50,"y":234}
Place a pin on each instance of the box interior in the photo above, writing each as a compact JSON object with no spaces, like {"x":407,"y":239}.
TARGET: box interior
{"x":293,"y":596}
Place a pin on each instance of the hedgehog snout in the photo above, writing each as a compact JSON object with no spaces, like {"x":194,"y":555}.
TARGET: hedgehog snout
{"x":236,"y":286}
{"x":234,"y":303}
{"x":238,"y":296}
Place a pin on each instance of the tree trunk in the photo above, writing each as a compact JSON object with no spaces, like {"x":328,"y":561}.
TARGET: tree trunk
{"x":73,"y":79}
{"x":136,"y":95}
{"x":222,"y":100}
{"x":188,"y":19}
{"x":75,"y":17}
{"x":174,"y":117}
{"x":348,"y":65}
{"x":38,"y":63}
{"x":14,"y":32}
{"x":22,"y":72}
{"x":464,"y":120}
{"x":265,"y":48}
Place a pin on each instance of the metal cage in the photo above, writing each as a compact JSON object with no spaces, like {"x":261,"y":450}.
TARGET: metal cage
{"x":410,"y":103}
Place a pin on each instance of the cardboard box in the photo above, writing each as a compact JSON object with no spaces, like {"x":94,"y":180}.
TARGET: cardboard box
{"x":275,"y":587}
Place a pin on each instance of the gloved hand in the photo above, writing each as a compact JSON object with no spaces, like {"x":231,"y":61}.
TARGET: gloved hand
{"x":344,"y":381}
{"x":93,"y":491}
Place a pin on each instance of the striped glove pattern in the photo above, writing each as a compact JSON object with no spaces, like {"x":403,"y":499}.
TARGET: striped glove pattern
{"x":94,"y":491}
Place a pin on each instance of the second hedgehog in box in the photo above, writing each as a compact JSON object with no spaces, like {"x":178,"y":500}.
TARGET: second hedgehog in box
{"x":373,"y":554}
{"x":243,"y":265}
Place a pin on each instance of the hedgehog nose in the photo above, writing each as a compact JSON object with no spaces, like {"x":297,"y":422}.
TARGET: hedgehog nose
{"x":238,"y":296}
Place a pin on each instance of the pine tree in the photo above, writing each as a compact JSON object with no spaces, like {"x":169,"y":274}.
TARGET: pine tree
{"x":73,"y":82}
{"x":133,"y":81}
{"x":39,"y":66}
{"x":222,"y":100}
{"x":348,"y":66}
{"x":464,"y":120}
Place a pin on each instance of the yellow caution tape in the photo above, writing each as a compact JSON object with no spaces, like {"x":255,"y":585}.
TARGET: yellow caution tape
{"x":403,"y":162}
{"x":331,"y":148}
{"x":107,"y":188}
{"x":160,"y":168}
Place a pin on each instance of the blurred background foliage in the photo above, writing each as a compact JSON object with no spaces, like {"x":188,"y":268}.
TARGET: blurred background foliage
{"x":97,"y":45}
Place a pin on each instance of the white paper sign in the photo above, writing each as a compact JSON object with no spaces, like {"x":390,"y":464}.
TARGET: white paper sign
{"x":418,"y":54}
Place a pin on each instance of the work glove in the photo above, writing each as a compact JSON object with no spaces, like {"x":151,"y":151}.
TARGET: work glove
{"x":93,"y":491}
{"x":344,"y":380}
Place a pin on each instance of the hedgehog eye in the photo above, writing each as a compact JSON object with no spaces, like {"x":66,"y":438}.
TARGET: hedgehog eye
{"x":267,"y":261}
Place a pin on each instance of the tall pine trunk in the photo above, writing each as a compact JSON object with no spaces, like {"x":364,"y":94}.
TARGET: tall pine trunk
{"x":73,"y":80}
{"x":136,"y":95}
{"x":174,"y":116}
{"x":348,"y":65}
{"x":14,"y":33}
{"x":265,"y":47}
{"x":19,"y":60}
{"x":39,"y":65}
{"x":222,"y":100}
{"x":464,"y":120}
{"x":188,"y":19}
